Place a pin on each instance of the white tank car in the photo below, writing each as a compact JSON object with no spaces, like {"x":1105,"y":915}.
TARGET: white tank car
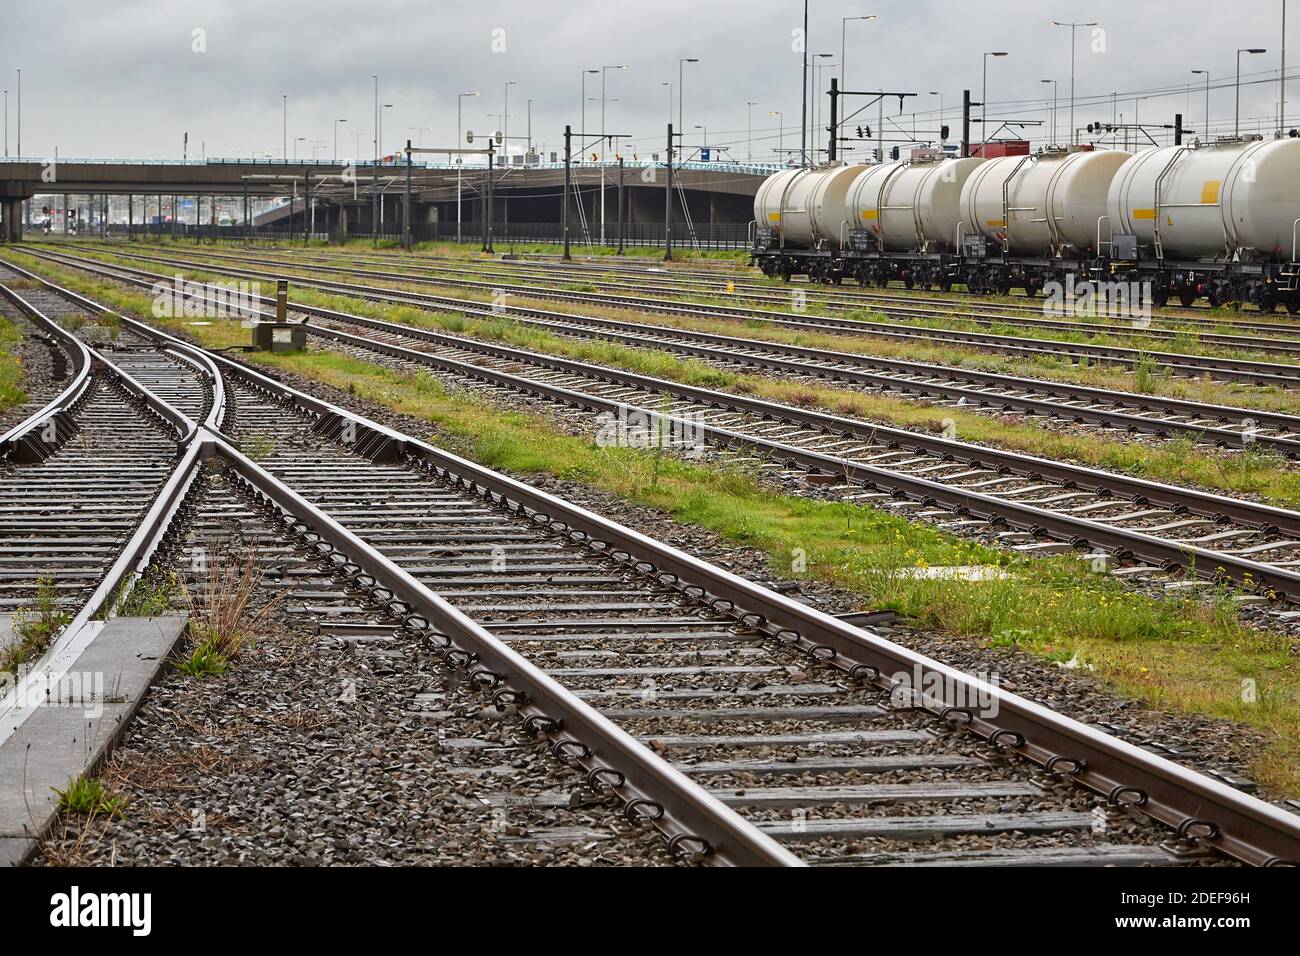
{"x":1213,"y":201}
{"x":910,"y":206}
{"x":805,"y":207}
{"x":1042,"y":205}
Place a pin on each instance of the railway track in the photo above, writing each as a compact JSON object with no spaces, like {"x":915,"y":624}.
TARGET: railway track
{"x":1223,"y":426}
{"x":496,"y":274}
{"x":1128,"y":525}
{"x":743,"y":724}
{"x":1222,"y":368}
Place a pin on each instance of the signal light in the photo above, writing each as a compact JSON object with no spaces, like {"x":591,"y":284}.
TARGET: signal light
{"x":943,"y":132}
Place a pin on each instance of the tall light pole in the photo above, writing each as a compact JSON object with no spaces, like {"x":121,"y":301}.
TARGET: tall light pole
{"x":374,"y":171}
{"x":505,"y":123}
{"x":1053,"y":82}
{"x":20,"y":114}
{"x":749,"y":130}
{"x":844,"y":63}
{"x":780,"y":133}
{"x":419,"y":133}
{"x":669,"y":84}
{"x":705,"y":130}
{"x":1073,"y":27}
{"x":1206,"y":132}
{"x":984,"y":103}
{"x":939,"y":94}
{"x":530,"y":130}
{"x":460,"y":99}
{"x":284,"y":146}
{"x":296,"y":141}
{"x":681,"y":77}
{"x":1281,"y":109}
{"x":6,"y":124}
{"x":603,"y":71}
{"x":1253,"y":50}
{"x":803,"y":82}
{"x":386,"y":106}
{"x":336,"y":139}
{"x":582,"y":126}
{"x":817,"y":99}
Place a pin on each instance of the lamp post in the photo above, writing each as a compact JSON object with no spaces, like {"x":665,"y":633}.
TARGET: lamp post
{"x":669,"y":84}
{"x":780,"y":133}
{"x":749,"y":130}
{"x":844,"y":63}
{"x":984,"y":101}
{"x":460,"y":99}
{"x":582,"y":126}
{"x":6,"y":124}
{"x":1252,"y":50}
{"x":603,"y":71}
{"x":374,"y":171}
{"x":681,"y":66}
{"x":505,"y":123}
{"x":1206,"y":132}
{"x":817,"y":99}
{"x":1053,"y":82}
{"x":284,"y":146}
{"x":1073,"y":27}
{"x":296,"y":141}
{"x":336,"y":139}
{"x":19,"y":122}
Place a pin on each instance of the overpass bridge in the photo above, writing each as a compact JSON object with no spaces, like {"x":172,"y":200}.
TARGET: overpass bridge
{"x":361,"y":198}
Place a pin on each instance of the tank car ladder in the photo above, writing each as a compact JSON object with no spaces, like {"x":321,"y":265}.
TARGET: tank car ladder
{"x":1156,"y":239}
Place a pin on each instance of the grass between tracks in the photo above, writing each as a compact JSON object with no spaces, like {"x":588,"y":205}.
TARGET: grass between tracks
{"x":1181,"y":654}
{"x":1146,"y":378}
{"x":11,"y":367}
{"x":1180,"y":461}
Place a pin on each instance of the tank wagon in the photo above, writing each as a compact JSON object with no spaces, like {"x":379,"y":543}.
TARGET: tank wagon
{"x":1219,"y":222}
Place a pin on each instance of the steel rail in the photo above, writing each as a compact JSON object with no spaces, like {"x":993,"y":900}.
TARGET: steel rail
{"x":839,"y":300}
{"x":638,"y":334}
{"x":1197,"y":807}
{"x":1080,"y":533}
{"x":651,"y":789}
{"x":693,"y":821}
{"x":1225,"y":369}
{"x":55,"y":418}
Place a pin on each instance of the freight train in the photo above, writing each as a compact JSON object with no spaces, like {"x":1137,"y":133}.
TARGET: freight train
{"x":1217,"y":222}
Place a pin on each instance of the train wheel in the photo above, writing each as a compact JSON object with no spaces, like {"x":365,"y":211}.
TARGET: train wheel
{"x":1292,"y":305}
{"x":1159,"y":297}
{"x":945,"y":284}
{"x":1268,"y":304}
{"x":1187,"y":298}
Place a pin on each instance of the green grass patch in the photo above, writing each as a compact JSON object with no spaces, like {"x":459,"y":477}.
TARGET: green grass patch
{"x":33,"y":628}
{"x":88,"y":797}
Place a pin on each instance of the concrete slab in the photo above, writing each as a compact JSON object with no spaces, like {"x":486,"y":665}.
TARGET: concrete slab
{"x":78,"y":725}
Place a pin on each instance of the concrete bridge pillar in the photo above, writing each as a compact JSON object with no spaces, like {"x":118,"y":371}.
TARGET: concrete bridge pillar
{"x":11,"y":228}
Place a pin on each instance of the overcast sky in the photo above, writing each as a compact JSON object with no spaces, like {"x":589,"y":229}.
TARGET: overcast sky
{"x":127,"y":78}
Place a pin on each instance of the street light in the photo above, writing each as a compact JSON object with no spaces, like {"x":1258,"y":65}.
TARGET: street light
{"x":603,"y":71}
{"x":1206,"y":132}
{"x":817,"y":97}
{"x":296,"y":141}
{"x":386,"y":106}
{"x":1239,"y":53}
{"x":460,"y":98}
{"x":984,"y":102}
{"x":749,"y":130}
{"x":669,"y":84}
{"x":419,"y":131}
{"x":1053,"y":82}
{"x":505,"y":121}
{"x":706,"y":135}
{"x":1073,"y":27}
{"x":374,"y":171}
{"x":844,"y":63}
{"x":681,"y":66}
{"x":336,"y":139}
{"x":780,"y":134}
{"x":582,"y":127}
{"x":284,"y":146}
